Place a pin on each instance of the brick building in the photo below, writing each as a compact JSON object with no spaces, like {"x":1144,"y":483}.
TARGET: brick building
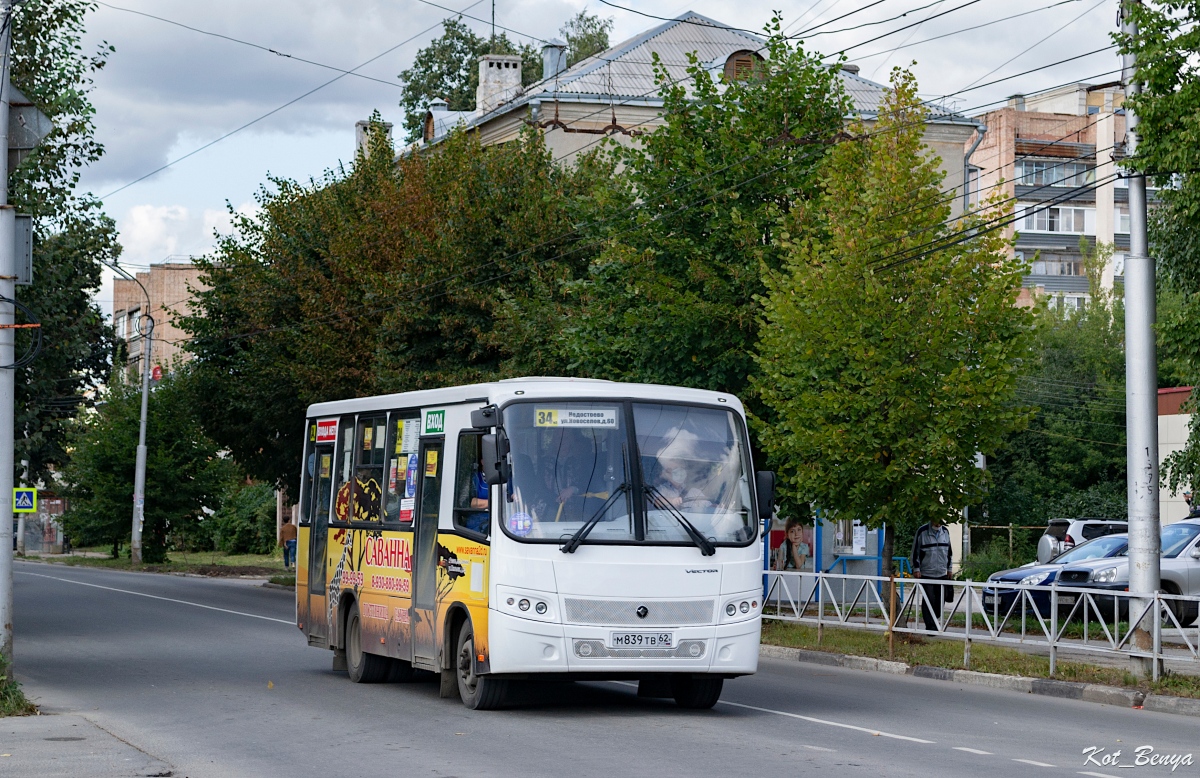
{"x":1056,"y":153}
{"x":169,"y":286}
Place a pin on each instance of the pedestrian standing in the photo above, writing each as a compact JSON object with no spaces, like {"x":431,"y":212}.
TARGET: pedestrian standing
{"x":931,"y":559}
{"x":287,"y":539}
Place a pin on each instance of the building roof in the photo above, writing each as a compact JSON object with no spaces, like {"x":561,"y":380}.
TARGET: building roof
{"x":624,"y":74}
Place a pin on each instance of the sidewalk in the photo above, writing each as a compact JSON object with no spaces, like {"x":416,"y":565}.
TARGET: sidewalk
{"x":67,"y":746}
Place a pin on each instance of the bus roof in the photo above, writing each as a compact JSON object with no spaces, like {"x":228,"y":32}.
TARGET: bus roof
{"x":529,"y":388}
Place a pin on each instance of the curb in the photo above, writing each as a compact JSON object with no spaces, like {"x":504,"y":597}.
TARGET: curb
{"x":1068,"y":690}
{"x":269,"y":585}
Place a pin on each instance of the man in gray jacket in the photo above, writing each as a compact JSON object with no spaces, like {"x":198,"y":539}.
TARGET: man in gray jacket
{"x":931,"y":558}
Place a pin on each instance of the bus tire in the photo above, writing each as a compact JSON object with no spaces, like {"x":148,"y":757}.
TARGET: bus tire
{"x":362,"y":667}
{"x":478,"y":692}
{"x":696,"y":693}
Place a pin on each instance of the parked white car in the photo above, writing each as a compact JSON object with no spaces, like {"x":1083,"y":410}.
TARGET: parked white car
{"x":1180,"y":568}
{"x":1064,"y":534}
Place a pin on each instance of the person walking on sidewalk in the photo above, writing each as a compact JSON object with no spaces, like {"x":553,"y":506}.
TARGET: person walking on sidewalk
{"x":931,"y":559}
{"x":287,"y":539}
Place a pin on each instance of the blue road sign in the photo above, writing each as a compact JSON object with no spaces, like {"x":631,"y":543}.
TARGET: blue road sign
{"x":24,"y":500}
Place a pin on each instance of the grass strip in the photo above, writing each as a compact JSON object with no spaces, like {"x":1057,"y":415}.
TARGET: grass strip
{"x":985,"y":658}
{"x":12,"y":699}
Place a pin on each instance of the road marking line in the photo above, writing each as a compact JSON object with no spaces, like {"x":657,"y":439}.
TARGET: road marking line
{"x":1035,"y":764}
{"x":156,"y":597}
{"x":973,"y":751}
{"x":829,"y":723}
{"x":1099,"y":775}
{"x":818,"y":748}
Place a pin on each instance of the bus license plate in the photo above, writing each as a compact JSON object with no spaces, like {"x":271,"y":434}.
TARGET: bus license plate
{"x":643,"y":640}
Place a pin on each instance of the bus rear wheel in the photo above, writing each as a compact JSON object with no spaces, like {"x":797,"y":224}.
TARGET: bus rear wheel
{"x":478,"y":692}
{"x":696,"y":693}
{"x":363,"y":667}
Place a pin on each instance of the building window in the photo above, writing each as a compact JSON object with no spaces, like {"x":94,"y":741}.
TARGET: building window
{"x":1079,"y":221}
{"x":1041,"y":172}
{"x":1121,"y":218}
{"x":740,"y":65}
{"x":1057,"y":265}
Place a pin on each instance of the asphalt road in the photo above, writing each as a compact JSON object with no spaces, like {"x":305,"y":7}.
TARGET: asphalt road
{"x":212,"y":677}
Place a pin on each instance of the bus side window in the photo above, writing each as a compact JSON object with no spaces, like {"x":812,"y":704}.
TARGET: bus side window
{"x":368,"y":473}
{"x":343,"y":495}
{"x":472,"y":505}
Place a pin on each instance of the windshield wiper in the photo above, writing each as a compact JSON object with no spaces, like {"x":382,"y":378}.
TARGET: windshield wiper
{"x":581,"y":533}
{"x":706,"y":546}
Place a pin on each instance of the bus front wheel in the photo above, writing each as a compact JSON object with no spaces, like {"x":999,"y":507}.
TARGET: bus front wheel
{"x":696,"y":693}
{"x":478,"y":692}
{"x":363,"y":667}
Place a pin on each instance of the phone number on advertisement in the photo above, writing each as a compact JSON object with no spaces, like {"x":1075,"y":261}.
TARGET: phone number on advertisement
{"x":352,"y":578}
{"x":390,"y":583}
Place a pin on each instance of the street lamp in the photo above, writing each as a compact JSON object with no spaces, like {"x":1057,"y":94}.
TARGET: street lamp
{"x":145,"y":329}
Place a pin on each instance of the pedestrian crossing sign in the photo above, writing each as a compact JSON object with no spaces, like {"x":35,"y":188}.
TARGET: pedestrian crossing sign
{"x":24,"y":500}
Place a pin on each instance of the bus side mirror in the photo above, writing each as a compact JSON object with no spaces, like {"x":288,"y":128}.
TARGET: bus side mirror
{"x":494,"y":452}
{"x":764,"y":483}
{"x":484,"y":418}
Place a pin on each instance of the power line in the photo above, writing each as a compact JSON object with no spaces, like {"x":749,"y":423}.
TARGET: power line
{"x":258,"y":46}
{"x":274,"y":111}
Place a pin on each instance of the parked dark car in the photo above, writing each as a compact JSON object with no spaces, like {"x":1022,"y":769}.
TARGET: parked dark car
{"x":999,"y":600}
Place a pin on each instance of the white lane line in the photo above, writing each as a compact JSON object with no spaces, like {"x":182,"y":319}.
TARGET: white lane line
{"x":818,"y":748}
{"x":156,"y":597}
{"x":828,"y":723}
{"x":973,"y":751}
{"x":1035,"y":764}
{"x":1097,"y":775}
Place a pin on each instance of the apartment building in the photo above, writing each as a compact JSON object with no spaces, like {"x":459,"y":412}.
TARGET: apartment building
{"x":169,"y":286}
{"x":1054,"y":154}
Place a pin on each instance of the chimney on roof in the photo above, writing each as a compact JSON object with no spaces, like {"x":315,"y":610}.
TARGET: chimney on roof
{"x":362,"y":135}
{"x":1017,"y":101}
{"x":499,"y":81}
{"x":850,"y":68}
{"x":437,"y":105}
{"x":554,"y":58}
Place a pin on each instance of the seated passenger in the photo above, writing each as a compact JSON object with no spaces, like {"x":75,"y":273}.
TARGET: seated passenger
{"x":474,"y":501}
{"x":677,"y":477}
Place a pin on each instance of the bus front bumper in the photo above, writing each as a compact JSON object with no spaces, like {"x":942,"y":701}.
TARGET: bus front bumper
{"x":525,"y":646}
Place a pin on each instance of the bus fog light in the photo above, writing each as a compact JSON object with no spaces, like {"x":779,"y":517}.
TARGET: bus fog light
{"x":540,"y":607}
{"x":694,"y":649}
{"x":731,"y":609}
{"x":745,"y":607}
{"x":523,"y":605}
{"x":585,"y":649}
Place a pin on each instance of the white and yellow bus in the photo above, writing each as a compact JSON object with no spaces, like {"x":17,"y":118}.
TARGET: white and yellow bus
{"x":530,"y":527}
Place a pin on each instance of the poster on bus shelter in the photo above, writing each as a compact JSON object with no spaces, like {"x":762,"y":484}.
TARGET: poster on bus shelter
{"x":791,"y":545}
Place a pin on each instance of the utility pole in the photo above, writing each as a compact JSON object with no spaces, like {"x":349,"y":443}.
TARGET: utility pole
{"x":1141,"y":380}
{"x":8,"y":385}
{"x":146,"y":327}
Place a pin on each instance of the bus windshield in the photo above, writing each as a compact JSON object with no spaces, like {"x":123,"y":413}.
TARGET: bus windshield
{"x":572,"y":464}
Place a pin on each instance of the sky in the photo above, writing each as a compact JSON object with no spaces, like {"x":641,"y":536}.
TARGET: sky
{"x":167,"y":91}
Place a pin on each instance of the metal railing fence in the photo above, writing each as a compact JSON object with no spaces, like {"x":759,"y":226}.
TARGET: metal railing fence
{"x":1081,"y":619}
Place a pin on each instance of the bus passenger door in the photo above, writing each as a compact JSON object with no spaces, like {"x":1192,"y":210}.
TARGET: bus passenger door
{"x":321,"y":499}
{"x":425,"y":560}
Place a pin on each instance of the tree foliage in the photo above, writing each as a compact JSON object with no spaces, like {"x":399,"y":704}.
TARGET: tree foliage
{"x":448,"y":68}
{"x":386,"y":278}
{"x":885,"y":378}
{"x":245,"y":522}
{"x":184,"y":474}
{"x":1070,"y":462}
{"x":586,"y":35}
{"x":71,"y":233}
{"x":689,"y":228}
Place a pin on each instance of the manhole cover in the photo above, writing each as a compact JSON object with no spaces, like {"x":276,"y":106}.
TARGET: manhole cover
{"x":64,"y":739}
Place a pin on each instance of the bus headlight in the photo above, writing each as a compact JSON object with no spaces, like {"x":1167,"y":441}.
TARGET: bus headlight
{"x":731,"y":609}
{"x":526,"y":603}
{"x":540,"y":608}
{"x":523,"y":604}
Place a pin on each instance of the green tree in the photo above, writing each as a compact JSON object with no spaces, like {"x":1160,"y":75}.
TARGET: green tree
{"x":448,"y":68}
{"x":389,"y":277}
{"x":586,"y":35}
{"x":71,"y":232}
{"x":245,"y":522}
{"x":1070,"y":461}
{"x":184,"y":473}
{"x":690,"y":226}
{"x":887,"y":365}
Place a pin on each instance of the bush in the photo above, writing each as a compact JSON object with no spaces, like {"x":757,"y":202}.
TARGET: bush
{"x":245,"y":523}
{"x":992,"y":557}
